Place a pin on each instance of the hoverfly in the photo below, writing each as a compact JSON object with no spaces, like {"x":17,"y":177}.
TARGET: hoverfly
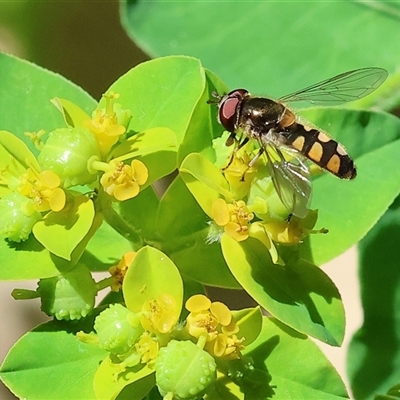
{"x":277,"y":128}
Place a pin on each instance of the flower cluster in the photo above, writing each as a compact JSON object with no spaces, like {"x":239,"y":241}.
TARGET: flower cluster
{"x":153,"y":338}
{"x":249,"y":204}
{"x":76,"y":155}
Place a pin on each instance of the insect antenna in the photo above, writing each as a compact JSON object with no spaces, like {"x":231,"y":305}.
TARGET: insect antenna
{"x":217,"y":96}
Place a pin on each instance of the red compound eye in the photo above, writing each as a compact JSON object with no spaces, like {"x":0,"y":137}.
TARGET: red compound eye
{"x":229,"y":107}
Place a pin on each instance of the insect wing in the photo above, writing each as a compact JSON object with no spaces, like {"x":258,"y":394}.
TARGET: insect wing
{"x":343,"y":88}
{"x":292,"y":184}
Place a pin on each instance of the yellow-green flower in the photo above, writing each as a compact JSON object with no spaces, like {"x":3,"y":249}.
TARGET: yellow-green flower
{"x":159,"y":315}
{"x":104,"y":124}
{"x":294,"y":230}
{"x":213,"y":320}
{"x":147,"y":348}
{"x":118,"y":271}
{"x":234,"y":218}
{"x":123,"y":181}
{"x":44,"y":189}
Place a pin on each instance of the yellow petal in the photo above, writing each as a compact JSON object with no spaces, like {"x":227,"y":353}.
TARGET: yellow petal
{"x":141,"y":173}
{"x":221,"y":312}
{"x":198,"y":303}
{"x":57,"y":199}
{"x":220,"y":212}
{"x":126,"y":191}
{"x":234,"y":230}
{"x":49,"y":179}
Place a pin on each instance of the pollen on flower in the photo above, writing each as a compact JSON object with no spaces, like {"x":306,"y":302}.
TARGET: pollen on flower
{"x":223,"y":346}
{"x":123,"y":181}
{"x":147,"y":348}
{"x":213,"y":320}
{"x":44,"y":189}
{"x":159,"y":315}
{"x":235,"y":218}
{"x":104,"y":124}
{"x":118,"y":271}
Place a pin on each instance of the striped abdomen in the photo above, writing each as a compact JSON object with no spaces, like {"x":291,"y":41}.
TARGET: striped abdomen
{"x":321,"y":149}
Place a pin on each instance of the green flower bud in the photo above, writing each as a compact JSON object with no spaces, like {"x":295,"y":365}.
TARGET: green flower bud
{"x":184,"y":369}
{"x":117,"y":329}
{"x":66,"y":152}
{"x":68,"y":296}
{"x":17,"y":217}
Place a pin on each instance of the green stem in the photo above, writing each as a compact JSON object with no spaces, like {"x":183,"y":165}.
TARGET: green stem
{"x":105,"y":283}
{"x":24,"y":294}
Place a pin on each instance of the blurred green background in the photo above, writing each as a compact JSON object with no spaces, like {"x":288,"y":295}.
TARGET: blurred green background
{"x":81,"y":40}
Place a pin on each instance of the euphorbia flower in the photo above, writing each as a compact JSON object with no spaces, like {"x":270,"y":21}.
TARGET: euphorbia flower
{"x":105,"y":126}
{"x":44,"y":189}
{"x":147,"y":348}
{"x":159,"y":315}
{"x":213,"y":320}
{"x":234,"y":217}
{"x":120,"y":180}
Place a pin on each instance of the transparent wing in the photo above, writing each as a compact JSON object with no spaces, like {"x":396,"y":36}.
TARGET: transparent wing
{"x":349,"y":86}
{"x":291,"y":181}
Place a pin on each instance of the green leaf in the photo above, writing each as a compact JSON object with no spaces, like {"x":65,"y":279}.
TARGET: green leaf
{"x":298,"y":294}
{"x":175,"y":205}
{"x":185,"y":239}
{"x":152,"y":274}
{"x":150,"y":141}
{"x":203,"y":262}
{"x":26,"y":91}
{"x":203,"y":125}
{"x":162,"y":93}
{"x":109,"y":381}
{"x":51,"y":354}
{"x":204,"y":180}
{"x":73,"y":115}
{"x":15,"y":153}
{"x":249,"y":322}
{"x":60,"y":232}
{"x":26,"y":260}
{"x":266,"y":46}
{"x":105,"y":249}
{"x":297,"y":367}
{"x":140,"y":213}
{"x":373,"y":361}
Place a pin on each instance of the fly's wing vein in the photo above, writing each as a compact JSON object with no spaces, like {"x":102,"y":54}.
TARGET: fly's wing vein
{"x":343,"y":88}
{"x":291,"y":181}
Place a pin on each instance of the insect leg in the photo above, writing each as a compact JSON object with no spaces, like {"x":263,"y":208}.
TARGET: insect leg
{"x":232,"y":138}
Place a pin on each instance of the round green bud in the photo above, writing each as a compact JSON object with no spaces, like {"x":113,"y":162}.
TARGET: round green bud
{"x":184,"y":369}
{"x":117,"y":329}
{"x":66,"y":152}
{"x":68,"y":296}
{"x":17,"y":217}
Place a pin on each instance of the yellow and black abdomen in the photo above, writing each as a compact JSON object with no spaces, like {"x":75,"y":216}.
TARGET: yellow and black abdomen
{"x":321,"y":149}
